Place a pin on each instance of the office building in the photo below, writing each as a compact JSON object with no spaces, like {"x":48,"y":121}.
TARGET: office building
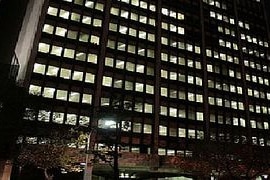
{"x":195,"y":70}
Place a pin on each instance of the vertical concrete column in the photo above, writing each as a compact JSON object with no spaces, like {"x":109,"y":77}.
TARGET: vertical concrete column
{"x":205,"y":77}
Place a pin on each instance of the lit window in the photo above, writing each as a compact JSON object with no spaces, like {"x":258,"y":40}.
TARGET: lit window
{"x":64,"y":14}
{"x":65,"y":73}
{"x":52,"y":71}
{"x":173,"y":112}
{"x":69,"y":53}
{"x":128,"y":85}
{"x":181,"y":132}
{"x":86,"y":20}
{"x":48,"y":28}
{"x":149,"y":89}
{"x":61,"y":95}
{"x":139,"y":87}
{"x":148,"y":108}
{"x":137,"y":127}
{"x":43,"y":47}
{"x":87,"y":98}
{"x":52,"y":11}
{"x":80,"y":56}
{"x":89,"y":78}
{"x":77,"y":75}
{"x":147,"y":129}
{"x":94,"y":39}
{"x":89,"y":4}
{"x":74,"y":96}
{"x":97,"y":23}
{"x":162,"y":130}
{"x":92,"y":58}
{"x":71,"y":119}
{"x":75,"y":17}
{"x":199,"y":116}
{"x":164,"y":91}
{"x":35,"y":90}
{"x":107,"y":81}
{"x":48,"y":92}
{"x":84,"y":121}
{"x":99,"y":6}
{"x":72,"y":34}
{"x":191,"y":134}
{"x":163,"y":110}
{"x":39,"y":68}
{"x":56,"y":50}
{"x":83,"y":37}
{"x":58,"y":117}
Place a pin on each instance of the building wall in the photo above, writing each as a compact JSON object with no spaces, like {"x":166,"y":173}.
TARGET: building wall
{"x":192,"y":70}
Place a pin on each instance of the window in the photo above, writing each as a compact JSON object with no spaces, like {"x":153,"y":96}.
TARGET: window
{"x":43,"y":47}
{"x":69,"y":53}
{"x":65,"y":73}
{"x":107,"y":81}
{"x":162,"y":130}
{"x":61,"y":95}
{"x":39,"y":68}
{"x":74,"y":96}
{"x":35,"y":90}
{"x":48,"y":92}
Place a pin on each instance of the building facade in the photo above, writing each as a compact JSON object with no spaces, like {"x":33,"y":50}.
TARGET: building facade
{"x":192,"y":70}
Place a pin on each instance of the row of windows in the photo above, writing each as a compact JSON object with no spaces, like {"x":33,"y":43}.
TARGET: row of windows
{"x":141,"y":4}
{"x":173,"y":14}
{"x":172,"y":27}
{"x":180,"y":45}
{"x":225,"y":87}
{"x":132,"y":32}
{"x":139,"y":106}
{"x":59,"y":94}
{"x":71,"y":34}
{"x":259,"y":125}
{"x":224,"y":70}
{"x":252,"y":64}
{"x":243,"y":25}
{"x":64,"y":73}
{"x":74,"y":16}
{"x":239,"y":139}
{"x":258,"y":94}
{"x":129,"y":66}
{"x":180,"y":61}
{"x":225,"y":103}
{"x":133,"y":16}
{"x":67,"y":53}
{"x":189,"y":133}
{"x":181,"y":77}
{"x":235,"y":121}
{"x":88,"y":4}
{"x":257,"y":79}
{"x":178,"y":94}
{"x":222,"y":56}
{"x":57,"y":117}
{"x":259,"y":109}
{"x":127,"y":85}
{"x":226,"y":31}
{"x":228,"y":44}
{"x":221,"y":17}
{"x":216,"y":4}
{"x":253,"y":51}
{"x":181,"y":113}
{"x":130,"y":48}
{"x":254,"y":40}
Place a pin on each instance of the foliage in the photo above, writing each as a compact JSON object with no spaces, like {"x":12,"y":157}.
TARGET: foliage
{"x":228,"y":162}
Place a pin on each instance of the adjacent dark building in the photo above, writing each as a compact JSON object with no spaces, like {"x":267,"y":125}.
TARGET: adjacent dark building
{"x":192,"y":70}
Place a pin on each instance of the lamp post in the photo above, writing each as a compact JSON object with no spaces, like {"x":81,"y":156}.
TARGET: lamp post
{"x":89,"y":156}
